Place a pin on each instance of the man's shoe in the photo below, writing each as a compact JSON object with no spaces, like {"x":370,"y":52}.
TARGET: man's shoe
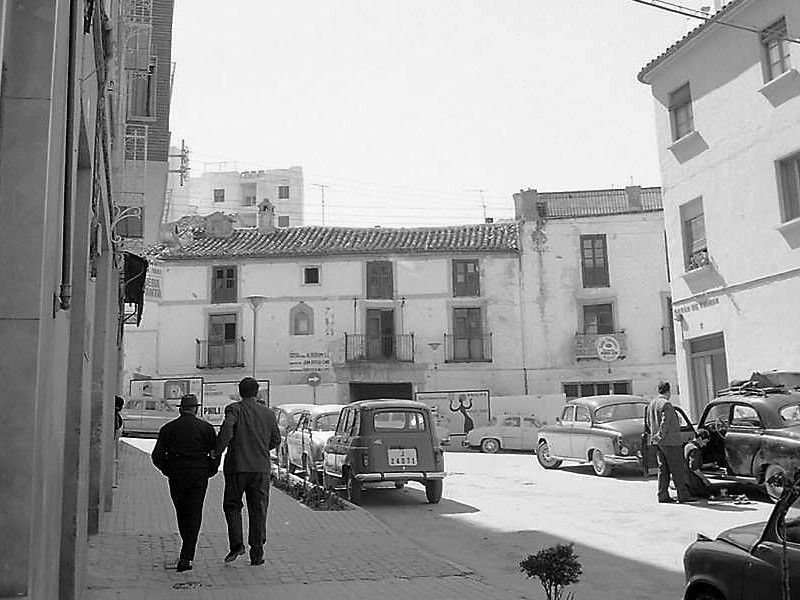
{"x":666,"y":500}
{"x":688,"y":500}
{"x":184,"y":564}
{"x":254,"y":562}
{"x":233,"y":555}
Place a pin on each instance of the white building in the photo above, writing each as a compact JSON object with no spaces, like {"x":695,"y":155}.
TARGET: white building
{"x":728,"y":123}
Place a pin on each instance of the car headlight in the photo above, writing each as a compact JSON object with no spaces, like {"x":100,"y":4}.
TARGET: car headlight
{"x":623,"y":449}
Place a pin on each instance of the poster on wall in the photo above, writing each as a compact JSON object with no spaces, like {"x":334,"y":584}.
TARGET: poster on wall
{"x":154,"y":402}
{"x":458,"y":411}
{"x":167,"y":390}
{"x":217,"y":395}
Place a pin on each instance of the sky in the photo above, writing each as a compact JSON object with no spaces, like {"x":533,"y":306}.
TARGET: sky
{"x":416,"y":113}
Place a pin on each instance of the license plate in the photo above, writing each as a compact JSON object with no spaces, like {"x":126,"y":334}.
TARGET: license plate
{"x":402,"y":457}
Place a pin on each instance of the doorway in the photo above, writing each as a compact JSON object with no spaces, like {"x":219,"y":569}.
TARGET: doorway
{"x":708,"y":369}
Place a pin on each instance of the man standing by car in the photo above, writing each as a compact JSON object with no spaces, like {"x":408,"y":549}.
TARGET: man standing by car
{"x":184,"y":452}
{"x":661,"y":422}
{"x":248,"y":432}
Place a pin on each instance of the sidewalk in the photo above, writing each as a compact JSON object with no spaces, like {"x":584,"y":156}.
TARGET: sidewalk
{"x":310,"y":554}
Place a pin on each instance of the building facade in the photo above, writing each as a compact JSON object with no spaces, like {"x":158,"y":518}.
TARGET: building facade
{"x":595,"y":289}
{"x":727,"y":106}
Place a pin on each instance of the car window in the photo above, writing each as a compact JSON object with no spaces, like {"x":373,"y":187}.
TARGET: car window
{"x":326,"y":422}
{"x":745,"y":416}
{"x":792,"y":521}
{"x":343,"y":426}
{"x":530,"y":422}
{"x":132,"y":404}
{"x":511,"y":422}
{"x":568,"y":414}
{"x":620,"y":412}
{"x":790,"y":413}
{"x":398,"y":420}
{"x":719,"y":412}
{"x":582,"y":415}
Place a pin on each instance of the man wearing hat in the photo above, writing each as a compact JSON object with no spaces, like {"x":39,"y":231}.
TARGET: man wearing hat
{"x":185,"y":453}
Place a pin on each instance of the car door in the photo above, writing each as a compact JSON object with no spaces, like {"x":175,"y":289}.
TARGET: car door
{"x":743,"y":439}
{"x":294,"y":439}
{"x":715,"y":419}
{"x":558,"y":438}
{"x":511,"y":432}
{"x":529,"y":431}
{"x":581,"y":431}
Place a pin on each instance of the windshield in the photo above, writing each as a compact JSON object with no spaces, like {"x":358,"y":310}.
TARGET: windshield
{"x":326,"y":422}
{"x":620,"y":412}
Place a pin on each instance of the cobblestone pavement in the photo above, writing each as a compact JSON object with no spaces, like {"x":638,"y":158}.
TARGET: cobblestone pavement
{"x":309,"y":555}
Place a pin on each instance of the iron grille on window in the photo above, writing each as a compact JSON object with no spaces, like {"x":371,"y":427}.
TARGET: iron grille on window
{"x":218,"y":354}
{"x":397,"y":347}
{"x":476,"y":348}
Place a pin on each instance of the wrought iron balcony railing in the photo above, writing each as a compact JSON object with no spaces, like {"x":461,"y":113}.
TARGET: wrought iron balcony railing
{"x":467,"y":349}
{"x":360,"y":347}
{"x":667,"y":340}
{"x":697,"y":260}
{"x":586,"y":344}
{"x":213,"y":354}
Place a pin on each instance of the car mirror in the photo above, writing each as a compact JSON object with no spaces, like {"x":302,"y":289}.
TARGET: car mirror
{"x":558,"y":420}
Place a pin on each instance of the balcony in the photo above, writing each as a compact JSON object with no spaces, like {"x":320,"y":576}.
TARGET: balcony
{"x":667,"y":340}
{"x":472,"y":349}
{"x":586,"y":344}
{"x":698,"y":260}
{"x":387,"y":348}
{"x":213,"y":354}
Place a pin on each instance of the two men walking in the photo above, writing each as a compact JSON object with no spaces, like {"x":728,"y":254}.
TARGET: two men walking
{"x":188,"y":452}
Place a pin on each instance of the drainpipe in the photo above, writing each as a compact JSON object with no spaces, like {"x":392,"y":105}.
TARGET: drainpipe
{"x":522,"y":325}
{"x":65,"y":289}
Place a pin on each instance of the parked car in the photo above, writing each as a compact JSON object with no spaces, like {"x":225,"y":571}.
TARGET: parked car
{"x":755,"y":434}
{"x":287,"y":416}
{"x":604,"y":430}
{"x":744,"y":563}
{"x":304,"y":444}
{"x":380,"y":443}
{"x":145,"y":415}
{"x":510,"y":432}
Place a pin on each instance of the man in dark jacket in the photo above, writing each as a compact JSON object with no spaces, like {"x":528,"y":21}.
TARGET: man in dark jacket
{"x":185,"y":453}
{"x":248,"y":432}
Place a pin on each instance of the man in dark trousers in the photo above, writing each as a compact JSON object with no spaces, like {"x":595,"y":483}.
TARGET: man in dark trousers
{"x":661,"y":421}
{"x":248,"y":432}
{"x":185,"y":453}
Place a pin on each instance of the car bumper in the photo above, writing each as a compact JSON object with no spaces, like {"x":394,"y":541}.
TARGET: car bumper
{"x":631,"y":460}
{"x":404,"y":476}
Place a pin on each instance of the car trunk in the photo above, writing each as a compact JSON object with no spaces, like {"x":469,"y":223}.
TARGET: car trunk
{"x":401,"y":451}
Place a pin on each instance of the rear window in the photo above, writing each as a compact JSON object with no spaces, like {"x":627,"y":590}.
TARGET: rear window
{"x":326,"y":422}
{"x":790,"y":413}
{"x":398,"y":420}
{"x":619,"y":412}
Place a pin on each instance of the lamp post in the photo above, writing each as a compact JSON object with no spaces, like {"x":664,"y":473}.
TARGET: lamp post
{"x":255,"y":303}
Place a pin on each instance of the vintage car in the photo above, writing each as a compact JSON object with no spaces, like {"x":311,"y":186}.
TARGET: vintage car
{"x":304,"y":443}
{"x":604,"y":430}
{"x":510,"y":432}
{"x":145,"y":415}
{"x":755,"y":434}
{"x":287,"y":416}
{"x":381,"y":443}
{"x":744,"y":563}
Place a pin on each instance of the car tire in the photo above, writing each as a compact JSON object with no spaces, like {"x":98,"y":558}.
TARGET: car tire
{"x":490,"y":445}
{"x":705,"y":593}
{"x":399,"y":485}
{"x":354,"y":489}
{"x":599,"y":464}
{"x":433,"y":491}
{"x":774,"y":492}
{"x":544,"y":458}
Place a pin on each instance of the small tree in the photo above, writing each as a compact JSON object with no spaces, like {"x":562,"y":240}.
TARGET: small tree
{"x":556,"y":568}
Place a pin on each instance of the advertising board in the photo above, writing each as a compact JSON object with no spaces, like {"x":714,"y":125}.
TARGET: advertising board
{"x":217,"y":395}
{"x":458,"y":411}
{"x":153,"y":402}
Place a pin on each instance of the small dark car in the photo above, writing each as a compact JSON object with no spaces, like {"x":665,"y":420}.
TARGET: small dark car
{"x":380,"y":443}
{"x":755,"y":434}
{"x":744,"y":563}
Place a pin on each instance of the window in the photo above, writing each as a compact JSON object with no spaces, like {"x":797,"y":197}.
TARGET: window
{"x":468,"y":334}
{"x":694,"y":235}
{"x":223,"y":285}
{"x":582,"y":414}
{"x":568,"y":414}
{"x":301,"y":319}
{"x":142,"y":92}
{"x":283,"y":192}
{"x":600,"y":388}
{"x":283,"y":220}
{"x":511,"y":422}
{"x":719,"y":414}
{"x":131,"y":226}
{"x":466,"y":278}
{"x":680,"y":112}
{"x":222,"y":338}
{"x":598,"y":319}
{"x":745,"y":416}
{"x":399,"y":420}
{"x":776,"y":49}
{"x":789,"y":169}
{"x":311,"y":275}
{"x":594,"y":261}
{"x":668,"y":329}
{"x":379,"y":280}
{"x":249,"y":194}
{"x":219,"y":195}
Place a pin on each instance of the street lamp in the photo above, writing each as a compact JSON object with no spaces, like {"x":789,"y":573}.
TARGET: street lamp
{"x":255,"y":303}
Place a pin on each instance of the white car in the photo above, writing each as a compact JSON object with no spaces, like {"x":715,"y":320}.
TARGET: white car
{"x":305,"y":442}
{"x":510,"y":432}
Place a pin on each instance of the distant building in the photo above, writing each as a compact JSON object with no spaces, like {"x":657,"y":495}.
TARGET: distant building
{"x":728,"y":124}
{"x":238,"y":194}
{"x":595,"y":285}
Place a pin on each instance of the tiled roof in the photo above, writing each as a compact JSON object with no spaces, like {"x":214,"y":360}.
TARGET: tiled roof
{"x":724,"y":11}
{"x":597,"y":203}
{"x":328,"y":241}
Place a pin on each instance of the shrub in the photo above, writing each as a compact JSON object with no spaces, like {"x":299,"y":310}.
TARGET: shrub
{"x":313,"y":496}
{"x":556,"y":568}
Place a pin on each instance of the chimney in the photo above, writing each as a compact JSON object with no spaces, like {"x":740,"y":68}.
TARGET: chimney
{"x":219,"y":225}
{"x":266,"y":216}
{"x":528,"y":207}
{"x":634,"y":194}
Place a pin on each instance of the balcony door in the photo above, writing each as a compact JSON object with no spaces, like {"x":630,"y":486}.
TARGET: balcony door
{"x":380,"y":333}
{"x":222,"y":335}
{"x":467,"y":334}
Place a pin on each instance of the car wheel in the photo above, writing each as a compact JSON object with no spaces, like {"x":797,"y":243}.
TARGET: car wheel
{"x":773,"y":490}
{"x":490,"y":445}
{"x":601,"y":467}
{"x":544,"y":457}
{"x":433,"y":491}
{"x":354,"y":489}
{"x":705,"y":593}
{"x":399,"y":485}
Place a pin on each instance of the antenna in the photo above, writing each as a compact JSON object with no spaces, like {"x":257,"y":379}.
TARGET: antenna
{"x":322,"y":187}
{"x":483,"y":204}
